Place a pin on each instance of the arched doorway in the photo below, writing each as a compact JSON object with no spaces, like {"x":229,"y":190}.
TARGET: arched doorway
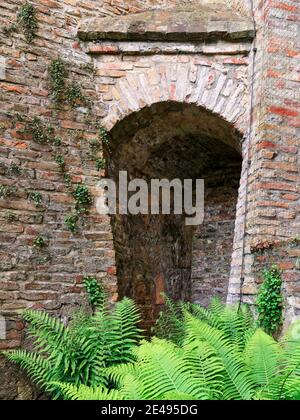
{"x":160,"y":253}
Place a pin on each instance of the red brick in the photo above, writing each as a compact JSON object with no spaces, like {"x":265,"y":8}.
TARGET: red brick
{"x":283,"y":111}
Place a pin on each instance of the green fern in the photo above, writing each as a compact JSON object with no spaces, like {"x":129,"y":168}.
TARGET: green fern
{"x":217,"y":355}
{"x":237,"y":381}
{"x":80,"y":353}
{"x":262,"y":355}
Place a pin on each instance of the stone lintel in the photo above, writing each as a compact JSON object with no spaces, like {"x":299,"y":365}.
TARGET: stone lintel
{"x":201,"y":23}
{"x":170,"y":48}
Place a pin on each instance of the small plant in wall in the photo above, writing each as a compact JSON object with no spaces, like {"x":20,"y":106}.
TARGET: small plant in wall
{"x":14,"y":170}
{"x":9,"y":30}
{"x":68,"y":181}
{"x":57,"y":74}
{"x":103,"y":134}
{"x":62,"y":91}
{"x":7,"y":191}
{"x":71,"y":222}
{"x":270,"y":301}
{"x":94,"y":291}
{"x":295,"y":242}
{"x":41,"y":133}
{"x":100,"y":164}
{"x":36,"y":197}
{"x":39,"y":242}
{"x":57,"y":141}
{"x":60,"y":160}
{"x":83,"y":198}
{"x":27,"y":21}
{"x":74,"y":96}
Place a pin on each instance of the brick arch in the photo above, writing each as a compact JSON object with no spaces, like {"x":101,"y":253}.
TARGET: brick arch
{"x":199,"y":82}
{"x":154,"y":253}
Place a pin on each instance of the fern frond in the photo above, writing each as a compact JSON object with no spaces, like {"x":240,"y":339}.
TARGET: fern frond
{"x":123,"y":332}
{"x":237,"y":382}
{"x":203,"y":363}
{"x":262,"y":355}
{"x":38,"y":368}
{"x":48,"y":332}
{"x":163,"y":371}
{"x":170,"y":325}
{"x":117,"y":373}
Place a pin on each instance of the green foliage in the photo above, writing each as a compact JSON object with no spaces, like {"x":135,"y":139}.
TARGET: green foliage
{"x":94,"y":144}
{"x":86,"y":393}
{"x":36,"y":197}
{"x":14,"y":170}
{"x":71,"y":222}
{"x":104,"y":136}
{"x":74,"y":96}
{"x":7,"y":191}
{"x":212,"y":363}
{"x":100,"y":164}
{"x":61,"y":90}
{"x":27,"y":20}
{"x":95,"y":291}
{"x":57,"y":73}
{"x":68,"y":180}
{"x":57,"y":141}
{"x":83,"y":198}
{"x":39,"y":242}
{"x":60,"y":160}
{"x":221,"y":356}
{"x":169,"y":324}
{"x":80,"y":353}
{"x":270,"y":301}
{"x":40,"y":132}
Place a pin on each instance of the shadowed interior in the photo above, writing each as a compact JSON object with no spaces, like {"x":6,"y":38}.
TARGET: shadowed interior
{"x":159,"y":253}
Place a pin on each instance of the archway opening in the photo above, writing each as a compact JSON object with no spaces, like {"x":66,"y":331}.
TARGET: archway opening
{"x":160,"y":253}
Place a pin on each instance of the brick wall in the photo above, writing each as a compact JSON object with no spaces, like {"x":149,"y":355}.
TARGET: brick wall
{"x":272,"y":208}
{"x":120,"y":80}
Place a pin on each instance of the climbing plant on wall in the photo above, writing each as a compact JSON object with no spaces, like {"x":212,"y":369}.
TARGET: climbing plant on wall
{"x":270,"y":301}
{"x":61,"y":90}
{"x":27,"y":20}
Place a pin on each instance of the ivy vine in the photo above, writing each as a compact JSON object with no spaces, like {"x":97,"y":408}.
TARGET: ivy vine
{"x":60,"y":160}
{"x":14,"y":170}
{"x":36,"y":197}
{"x":27,"y":21}
{"x":61,"y":90}
{"x":83,"y":198}
{"x":74,"y":96}
{"x":71,"y":222}
{"x":41,"y":133}
{"x":39,"y":242}
{"x":270,"y":301}
{"x":94,"y":291}
{"x":100,"y":164}
{"x":57,"y":74}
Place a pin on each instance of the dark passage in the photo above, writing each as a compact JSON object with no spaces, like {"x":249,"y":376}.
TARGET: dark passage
{"x":159,"y":253}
